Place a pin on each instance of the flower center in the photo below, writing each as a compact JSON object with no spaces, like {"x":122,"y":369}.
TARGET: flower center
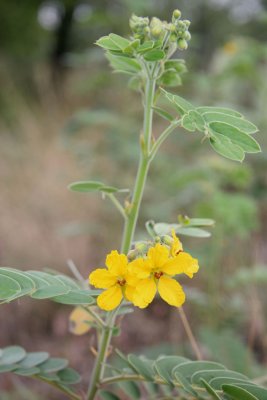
{"x":121,"y":282}
{"x":157,"y":275}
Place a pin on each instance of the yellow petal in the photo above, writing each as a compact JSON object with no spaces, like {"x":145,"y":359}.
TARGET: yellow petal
{"x":189,"y":264}
{"x":173,"y":267}
{"x":171,"y":291}
{"x":176,"y":246}
{"x":79,"y":321}
{"x":158,"y":255}
{"x":129,"y":292}
{"x":140,"y":267}
{"x":117,"y":263}
{"x":110,"y":298}
{"x":101,"y":278}
{"x":145,"y":292}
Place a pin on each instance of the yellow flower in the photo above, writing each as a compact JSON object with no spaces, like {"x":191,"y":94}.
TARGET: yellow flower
{"x":156,"y":271}
{"x":115,"y":279}
{"x":176,"y":246}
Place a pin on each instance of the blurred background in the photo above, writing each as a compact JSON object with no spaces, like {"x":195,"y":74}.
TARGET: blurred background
{"x":64,"y":116}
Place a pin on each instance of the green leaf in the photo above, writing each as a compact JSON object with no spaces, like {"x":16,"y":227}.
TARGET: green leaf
{"x":217,"y":383}
{"x":50,"y":291}
{"x":200,"y":222}
{"x":131,"y":389}
{"x":132,"y":47}
{"x":177,"y":64}
{"x":223,"y":110}
{"x":77,"y":297}
{"x":119,"y":41}
{"x":12,"y":355}
{"x":210,"y":390}
{"x":208,"y":375}
{"x":170,"y":78}
{"x":239,"y":123}
{"x":53,"y":365}
{"x":69,"y":376}
{"x":193,"y":121}
{"x":193,"y":232}
{"x":187,"y":369}
{"x":34,"y":359}
{"x":238,"y":393}
{"x":226,"y":148}
{"x":123,"y":64}
{"x":146,"y":46}
{"x":258,"y":391}
{"x":181,"y":105}
{"x":7,"y":368}
{"x":246,"y":142}
{"x":154,"y":55}
{"x":85,"y":186}
{"x":107,"y":43}
{"x":27,"y":371}
{"x":106,"y":395}
{"x":26,"y":284}
{"x":165,"y":365}
{"x":164,"y":114}
{"x":8,"y":287}
{"x":162,"y":228}
{"x":142,"y":366}
{"x":184,"y":383}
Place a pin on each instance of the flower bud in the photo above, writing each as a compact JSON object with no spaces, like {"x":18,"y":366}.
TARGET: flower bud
{"x":181,"y":26}
{"x":173,"y":37}
{"x":182,"y":44}
{"x":166,"y":239}
{"x":172,"y":28}
{"x":176,"y":14}
{"x":187,"y":35}
{"x":186,"y":23}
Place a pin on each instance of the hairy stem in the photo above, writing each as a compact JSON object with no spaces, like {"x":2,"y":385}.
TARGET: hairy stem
{"x":129,"y":229}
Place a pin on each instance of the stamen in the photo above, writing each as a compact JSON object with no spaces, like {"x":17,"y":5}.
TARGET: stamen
{"x":121,"y":282}
{"x":157,"y":275}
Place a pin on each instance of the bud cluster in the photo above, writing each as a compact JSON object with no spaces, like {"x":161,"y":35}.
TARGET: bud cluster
{"x":144,"y":29}
{"x":141,"y":248}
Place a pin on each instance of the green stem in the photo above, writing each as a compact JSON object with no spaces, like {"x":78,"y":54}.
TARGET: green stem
{"x":130,"y":223}
{"x":117,"y":204}
{"x":162,"y":138}
{"x":98,"y":370}
{"x":65,"y":390}
{"x":129,"y":229}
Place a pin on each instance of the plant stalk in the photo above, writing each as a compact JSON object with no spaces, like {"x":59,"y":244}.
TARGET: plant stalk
{"x":129,"y":229}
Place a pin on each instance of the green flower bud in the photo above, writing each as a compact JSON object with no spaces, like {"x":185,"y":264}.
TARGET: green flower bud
{"x":157,"y":239}
{"x":181,"y":26}
{"x":186,"y":22}
{"x":176,"y":14}
{"x":182,"y":44}
{"x":187,"y":35}
{"x":172,"y":28}
{"x":137,"y":24}
{"x":146,"y":30}
{"x":173,"y":37}
{"x":168,"y":240}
